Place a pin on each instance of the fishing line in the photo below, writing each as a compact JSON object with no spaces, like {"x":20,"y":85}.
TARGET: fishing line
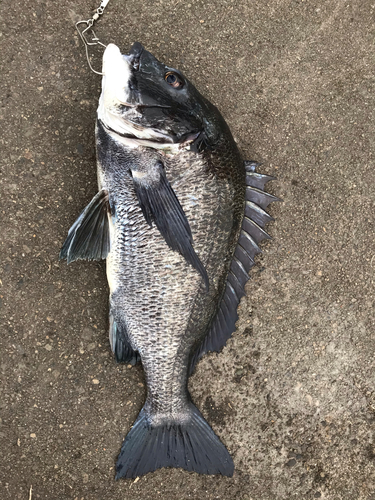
{"x":88,"y":35}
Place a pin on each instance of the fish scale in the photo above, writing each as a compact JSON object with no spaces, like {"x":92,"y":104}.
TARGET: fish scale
{"x":142,"y":279}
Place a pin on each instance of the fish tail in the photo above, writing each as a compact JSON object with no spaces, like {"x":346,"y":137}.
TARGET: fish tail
{"x":190,"y":445}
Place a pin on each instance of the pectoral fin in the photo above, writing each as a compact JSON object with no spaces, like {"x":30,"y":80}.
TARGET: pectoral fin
{"x":88,"y":238}
{"x":159,"y":204}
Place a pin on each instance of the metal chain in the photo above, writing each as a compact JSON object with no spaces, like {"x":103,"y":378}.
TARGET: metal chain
{"x":89,"y":32}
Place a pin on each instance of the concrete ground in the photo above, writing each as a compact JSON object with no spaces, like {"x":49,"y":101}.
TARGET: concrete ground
{"x":292,"y":394}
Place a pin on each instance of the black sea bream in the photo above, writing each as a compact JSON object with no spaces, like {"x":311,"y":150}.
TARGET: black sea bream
{"x":178,"y":217}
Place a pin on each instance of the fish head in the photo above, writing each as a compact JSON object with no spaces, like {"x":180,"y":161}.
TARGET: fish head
{"x":149,"y":103}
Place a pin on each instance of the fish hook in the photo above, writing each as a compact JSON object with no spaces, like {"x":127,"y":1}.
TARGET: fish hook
{"x":85,"y":33}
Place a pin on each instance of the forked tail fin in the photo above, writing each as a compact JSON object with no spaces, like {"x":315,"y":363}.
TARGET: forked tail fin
{"x":191,"y":445}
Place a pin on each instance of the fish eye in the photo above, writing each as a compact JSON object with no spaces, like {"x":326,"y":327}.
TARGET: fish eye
{"x":174,"y":80}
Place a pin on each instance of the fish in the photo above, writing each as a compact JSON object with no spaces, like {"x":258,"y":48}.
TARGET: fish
{"x":178,"y":216}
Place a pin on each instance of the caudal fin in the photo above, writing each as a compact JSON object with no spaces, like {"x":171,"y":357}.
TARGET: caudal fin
{"x":192,"y":445}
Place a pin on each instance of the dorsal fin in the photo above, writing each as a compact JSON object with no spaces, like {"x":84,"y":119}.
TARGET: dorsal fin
{"x":255,"y":218}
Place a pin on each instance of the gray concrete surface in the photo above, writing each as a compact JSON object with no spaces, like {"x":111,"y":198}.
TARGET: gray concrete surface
{"x":292,"y":394}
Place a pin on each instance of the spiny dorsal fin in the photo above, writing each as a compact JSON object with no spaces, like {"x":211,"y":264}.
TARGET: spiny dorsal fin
{"x":259,"y":197}
{"x":255,"y":218}
{"x":255,"y":179}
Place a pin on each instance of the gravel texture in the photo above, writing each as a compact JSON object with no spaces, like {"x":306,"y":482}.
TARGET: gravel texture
{"x":292,"y":393}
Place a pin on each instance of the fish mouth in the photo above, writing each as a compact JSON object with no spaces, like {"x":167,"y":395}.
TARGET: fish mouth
{"x":129,"y":135}
{"x":133,"y":140}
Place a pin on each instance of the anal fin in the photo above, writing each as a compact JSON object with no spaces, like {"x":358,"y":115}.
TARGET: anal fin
{"x":120,"y":345}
